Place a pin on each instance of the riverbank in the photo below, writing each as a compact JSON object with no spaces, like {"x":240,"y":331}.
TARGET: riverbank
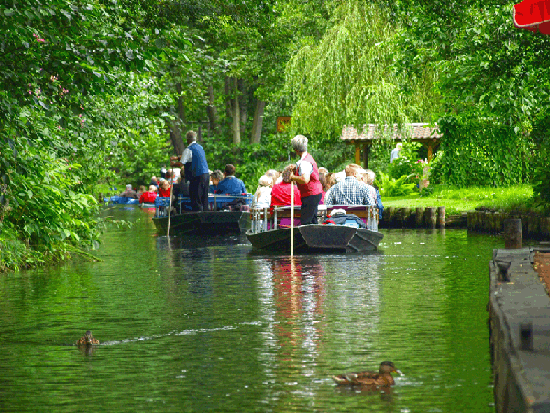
{"x":460,"y":200}
{"x":519,"y":309}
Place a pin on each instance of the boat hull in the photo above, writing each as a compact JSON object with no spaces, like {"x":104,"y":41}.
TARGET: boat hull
{"x":207,"y":221}
{"x":313,"y":238}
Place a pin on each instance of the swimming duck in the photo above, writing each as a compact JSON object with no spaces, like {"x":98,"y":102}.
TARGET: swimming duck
{"x":87,"y":340}
{"x":369,"y":378}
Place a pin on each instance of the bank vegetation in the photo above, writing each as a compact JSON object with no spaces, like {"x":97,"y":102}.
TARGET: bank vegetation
{"x":101,"y":91}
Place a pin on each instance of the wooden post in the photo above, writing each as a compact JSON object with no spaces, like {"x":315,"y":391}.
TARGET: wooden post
{"x":441,"y":217}
{"x":429,"y":217}
{"x":405,"y":217}
{"x":419,"y":218}
{"x":357,"y":153}
{"x":430,"y":151}
{"x":386,"y":217}
{"x":366,"y":151}
{"x":512,"y":234}
{"x":391,"y":213}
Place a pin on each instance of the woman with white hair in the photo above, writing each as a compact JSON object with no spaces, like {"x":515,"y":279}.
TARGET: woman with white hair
{"x":262,"y":197}
{"x":306,"y":176}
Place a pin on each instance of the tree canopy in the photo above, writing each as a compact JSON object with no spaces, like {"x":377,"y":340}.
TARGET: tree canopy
{"x":103,"y":88}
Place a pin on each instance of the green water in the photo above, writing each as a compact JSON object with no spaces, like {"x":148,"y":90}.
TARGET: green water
{"x":201,"y":324}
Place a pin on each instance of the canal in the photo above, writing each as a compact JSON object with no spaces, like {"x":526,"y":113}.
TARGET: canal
{"x":195,"y":324}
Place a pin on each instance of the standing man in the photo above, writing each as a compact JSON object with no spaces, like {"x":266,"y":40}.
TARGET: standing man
{"x":306,"y":176}
{"x":193,"y":160}
{"x":395,"y":152}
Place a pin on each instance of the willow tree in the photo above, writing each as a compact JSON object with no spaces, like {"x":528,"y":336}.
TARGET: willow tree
{"x":348,"y":78}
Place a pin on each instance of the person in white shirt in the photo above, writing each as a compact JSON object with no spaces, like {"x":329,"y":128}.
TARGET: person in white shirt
{"x":262,"y":197}
{"x":395,"y":152}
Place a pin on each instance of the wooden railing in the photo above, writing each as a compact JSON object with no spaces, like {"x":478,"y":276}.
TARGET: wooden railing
{"x":266,"y":219}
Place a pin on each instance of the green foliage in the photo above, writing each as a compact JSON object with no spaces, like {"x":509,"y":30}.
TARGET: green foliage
{"x":82,"y":95}
{"x":541,"y":181}
{"x":350,"y":79}
{"x":476,"y":152}
{"x":253,"y":160}
{"x":408,"y":162}
{"x":395,"y":187}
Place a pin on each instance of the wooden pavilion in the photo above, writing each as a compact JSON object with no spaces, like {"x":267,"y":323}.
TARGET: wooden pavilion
{"x":417,"y":132}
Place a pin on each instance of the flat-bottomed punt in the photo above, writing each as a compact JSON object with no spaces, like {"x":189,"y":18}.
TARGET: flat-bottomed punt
{"x":272,"y":232}
{"x":225,"y":214}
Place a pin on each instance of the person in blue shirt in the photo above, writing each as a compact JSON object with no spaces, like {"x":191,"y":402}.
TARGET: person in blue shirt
{"x":230,"y":184}
{"x":193,"y":160}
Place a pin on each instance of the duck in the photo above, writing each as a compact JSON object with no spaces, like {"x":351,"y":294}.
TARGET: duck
{"x":87,"y":339}
{"x":369,"y":378}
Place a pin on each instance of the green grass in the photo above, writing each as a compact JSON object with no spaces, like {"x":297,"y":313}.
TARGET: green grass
{"x":457,"y":200}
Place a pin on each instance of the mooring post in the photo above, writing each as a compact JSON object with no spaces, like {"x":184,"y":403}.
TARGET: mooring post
{"x":429,"y":217}
{"x":391,"y":220}
{"x":419,"y":217}
{"x":386,"y":217}
{"x":441,"y":217}
{"x":526,"y":336}
{"x":512,"y":233}
{"x":405,"y":217}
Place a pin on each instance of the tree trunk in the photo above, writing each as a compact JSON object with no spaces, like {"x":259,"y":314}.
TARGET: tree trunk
{"x":243,"y":104}
{"x":177,"y":125}
{"x":211,"y":112}
{"x":228,"y":99}
{"x":175,"y":137}
{"x":236,"y":114}
{"x":257,"y":123}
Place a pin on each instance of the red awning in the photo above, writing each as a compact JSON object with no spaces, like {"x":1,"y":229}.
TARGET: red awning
{"x":533,"y":15}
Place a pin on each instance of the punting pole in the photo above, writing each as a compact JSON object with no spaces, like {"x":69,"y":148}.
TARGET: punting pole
{"x":170,"y":207}
{"x":291,"y":219}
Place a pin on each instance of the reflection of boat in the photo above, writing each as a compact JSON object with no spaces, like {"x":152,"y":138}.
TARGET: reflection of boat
{"x":225,"y":214}
{"x":196,"y":240}
{"x":272,"y":232}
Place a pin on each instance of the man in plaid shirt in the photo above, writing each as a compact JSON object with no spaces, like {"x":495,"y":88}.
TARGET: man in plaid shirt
{"x":350,"y":191}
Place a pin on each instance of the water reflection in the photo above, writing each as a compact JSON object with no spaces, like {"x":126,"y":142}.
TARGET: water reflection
{"x":202,"y":324}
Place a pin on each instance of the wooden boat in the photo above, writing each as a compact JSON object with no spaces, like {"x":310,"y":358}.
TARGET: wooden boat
{"x":271,"y":231}
{"x":220,"y":218}
{"x":117,"y":199}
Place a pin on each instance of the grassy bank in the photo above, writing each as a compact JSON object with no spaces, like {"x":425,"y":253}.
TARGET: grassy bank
{"x":457,"y":200}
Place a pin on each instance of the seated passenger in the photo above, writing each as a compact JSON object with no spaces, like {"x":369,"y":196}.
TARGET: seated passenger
{"x":149,"y":196}
{"x":130,"y":193}
{"x":350,"y":191}
{"x":215,"y":178}
{"x":230,"y":184}
{"x":280,"y":193}
{"x":274,"y":174}
{"x":164,"y":188}
{"x":262,"y":197}
{"x":368,"y":177}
